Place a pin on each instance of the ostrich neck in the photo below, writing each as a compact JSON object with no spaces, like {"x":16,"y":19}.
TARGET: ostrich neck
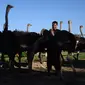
{"x":69,"y":28}
{"x":60,"y":26}
{"x":81,"y":32}
{"x":6,"y":21}
{"x":27,"y":28}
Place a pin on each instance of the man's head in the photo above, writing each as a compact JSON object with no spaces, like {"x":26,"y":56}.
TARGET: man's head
{"x":54,"y":25}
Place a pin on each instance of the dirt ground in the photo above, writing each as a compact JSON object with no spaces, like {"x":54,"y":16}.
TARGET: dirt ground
{"x":39,"y":76}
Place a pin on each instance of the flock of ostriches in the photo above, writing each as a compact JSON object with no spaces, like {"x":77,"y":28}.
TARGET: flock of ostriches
{"x":12,"y":42}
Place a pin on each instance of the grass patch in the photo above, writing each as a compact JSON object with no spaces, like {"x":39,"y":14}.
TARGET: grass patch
{"x":82,"y":56}
{"x":36,"y":58}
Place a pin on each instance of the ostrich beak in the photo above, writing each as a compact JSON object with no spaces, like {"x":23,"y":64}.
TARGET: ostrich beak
{"x":12,"y":6}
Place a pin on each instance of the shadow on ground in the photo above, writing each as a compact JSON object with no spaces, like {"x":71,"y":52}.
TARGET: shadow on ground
{"x":23,"y":77}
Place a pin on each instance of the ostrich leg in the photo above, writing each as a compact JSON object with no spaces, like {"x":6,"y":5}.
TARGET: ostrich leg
{"x":77,"y":55}
{"x":71,"y":63}
{"x":30,"y":56}
{"x":49,"y":66}
{"x":2,"y":58}
{"x":19,"y":58}
{"x":11,"y":61}
{"x":62,"y":57}
{"x":40,"y":59}
{"x":3,"y":61}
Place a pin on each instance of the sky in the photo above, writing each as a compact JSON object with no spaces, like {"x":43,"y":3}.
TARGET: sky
{"x":41,"y":13}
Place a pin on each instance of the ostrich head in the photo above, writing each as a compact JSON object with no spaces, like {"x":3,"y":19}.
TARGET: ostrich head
{"x":8,"y":8}
{"x":81,"y":26}
{"x":61,"y":22}
{"x":42,"y":31}
{"x":28,"y":25}
{"x":69,"y":25}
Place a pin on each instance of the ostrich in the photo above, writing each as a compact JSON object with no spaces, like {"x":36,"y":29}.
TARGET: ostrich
{"x":5,"y":26}
{"x":69,"y":30}
{"x":8,"y":39}
{"x":76,"y":37}
{"x":18,"y":34}
{"x":80,"y":42}
{"x":26,"y":40}
{"x":44,"y":50}
{"x":10,"y":44}
{"x":16,"y":41}
{"x":23,"y":41}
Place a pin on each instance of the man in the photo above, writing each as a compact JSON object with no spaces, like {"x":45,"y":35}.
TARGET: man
{"x":53,"y":50}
